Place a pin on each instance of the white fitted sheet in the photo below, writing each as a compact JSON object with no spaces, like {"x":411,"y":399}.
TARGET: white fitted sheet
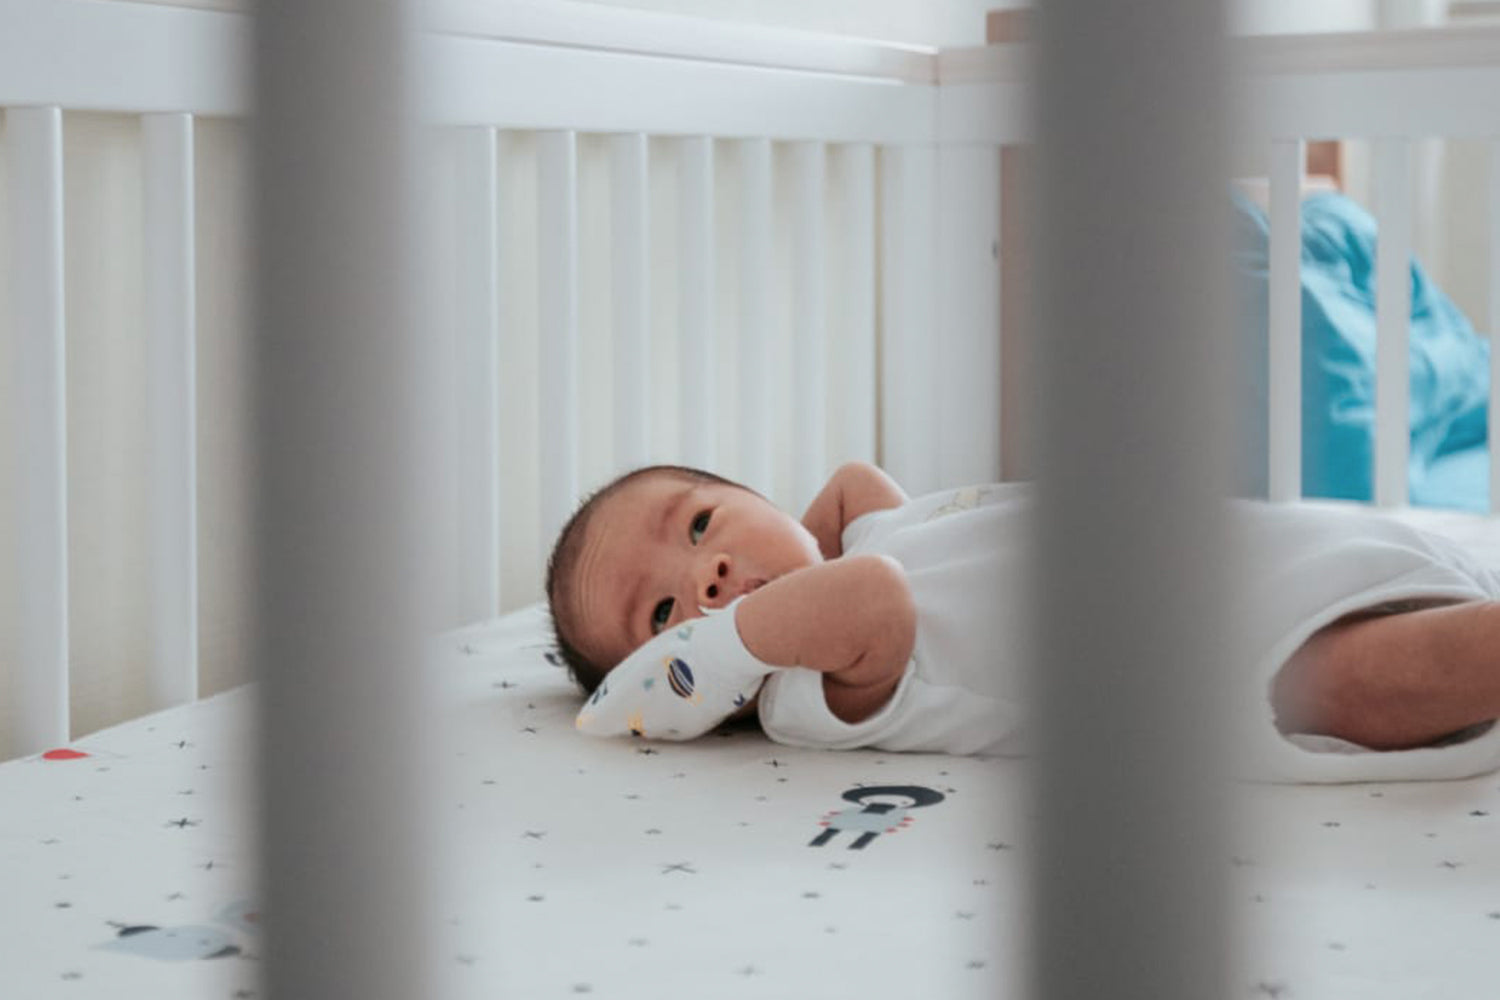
{"x":570,"y":866}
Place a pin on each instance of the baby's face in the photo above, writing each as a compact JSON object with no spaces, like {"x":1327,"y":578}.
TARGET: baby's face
{"x":663,"y":546}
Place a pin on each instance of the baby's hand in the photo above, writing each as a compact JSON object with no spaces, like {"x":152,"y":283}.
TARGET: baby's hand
{"x":680,"y":684}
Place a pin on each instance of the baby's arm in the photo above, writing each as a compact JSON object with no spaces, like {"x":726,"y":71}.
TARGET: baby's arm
{"x":855,"y":488}
{"x":851,"y":619}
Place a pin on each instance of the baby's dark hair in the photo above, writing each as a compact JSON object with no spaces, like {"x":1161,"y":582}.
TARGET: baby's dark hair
{"x":563,"y":563}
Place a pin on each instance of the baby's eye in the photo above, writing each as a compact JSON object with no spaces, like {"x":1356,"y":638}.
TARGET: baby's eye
{"x":700,"y":525}
{"x":660,"y":615}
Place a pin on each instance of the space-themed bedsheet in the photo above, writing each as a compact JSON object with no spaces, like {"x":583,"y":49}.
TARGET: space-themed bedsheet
{"x":727,"y":867}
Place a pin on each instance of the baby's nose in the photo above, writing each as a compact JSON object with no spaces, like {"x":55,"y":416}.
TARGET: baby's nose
{"x":713,"y":589}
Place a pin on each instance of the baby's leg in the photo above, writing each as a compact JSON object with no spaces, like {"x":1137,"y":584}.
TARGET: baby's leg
{"x":1394,"y":678}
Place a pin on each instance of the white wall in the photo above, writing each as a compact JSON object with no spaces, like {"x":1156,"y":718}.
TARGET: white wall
{"x":961,"y":22}
{"x":1285,"y":17}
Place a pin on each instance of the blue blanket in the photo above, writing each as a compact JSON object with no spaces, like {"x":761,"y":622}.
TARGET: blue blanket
{"x":1449,"y":365}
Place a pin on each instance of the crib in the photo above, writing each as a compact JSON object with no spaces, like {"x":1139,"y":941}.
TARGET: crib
{"x":628,"y":220}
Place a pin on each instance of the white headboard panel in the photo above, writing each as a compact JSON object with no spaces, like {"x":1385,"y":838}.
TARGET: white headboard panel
{"x":761,"y":272}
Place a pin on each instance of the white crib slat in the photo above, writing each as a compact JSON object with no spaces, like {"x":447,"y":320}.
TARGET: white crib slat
{"x":478,"y":368}
{"x":965,"y":336}
{"x":630,"y":234}
{"x":1393,"y":198}
{"x":557,"y":264}
{"x":696,"y":414}
{"x":809,"y":323}
{"x":171,"y":324}
{"x":1494,"y":327}
{"x":910,"y":447}
{"x":754,"y":316}
{"x":1284,"y":394}
{"x":854,"y":182}
{"x":33,"y":139}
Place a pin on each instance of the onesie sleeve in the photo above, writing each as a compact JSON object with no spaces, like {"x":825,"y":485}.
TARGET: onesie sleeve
{"x":794,"y":711}
{"x":921,"y":716}
{"x":859,"y":532}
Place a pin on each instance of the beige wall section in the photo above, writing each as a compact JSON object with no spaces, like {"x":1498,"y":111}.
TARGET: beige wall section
{"x":1464,"y":200}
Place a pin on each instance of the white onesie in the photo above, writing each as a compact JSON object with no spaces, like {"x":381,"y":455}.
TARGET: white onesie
{"x":1303,"y":566}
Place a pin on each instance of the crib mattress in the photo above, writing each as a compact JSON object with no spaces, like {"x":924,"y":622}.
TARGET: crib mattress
{"x":728,"y":867}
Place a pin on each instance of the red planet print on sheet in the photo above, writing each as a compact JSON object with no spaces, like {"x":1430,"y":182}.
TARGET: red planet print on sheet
{"x":63,"y":753}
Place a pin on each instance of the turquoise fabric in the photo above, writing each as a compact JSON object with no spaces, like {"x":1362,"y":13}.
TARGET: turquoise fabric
{"x":1457,"y":479}
{"x":1449,"y":363}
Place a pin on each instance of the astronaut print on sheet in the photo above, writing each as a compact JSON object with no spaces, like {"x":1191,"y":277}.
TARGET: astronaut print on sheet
{"x":875,"y":814}
{"x":233,"y":931}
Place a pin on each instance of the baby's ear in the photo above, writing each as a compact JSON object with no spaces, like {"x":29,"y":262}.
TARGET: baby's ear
{"x":677,"y":686}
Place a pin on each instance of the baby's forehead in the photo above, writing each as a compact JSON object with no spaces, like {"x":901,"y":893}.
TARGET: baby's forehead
{"x":613,"y":535}
{"x":645,"y":491}
{"x":658,"y":481}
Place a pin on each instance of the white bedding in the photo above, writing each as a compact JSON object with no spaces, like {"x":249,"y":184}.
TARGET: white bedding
{"x":573,"y":866}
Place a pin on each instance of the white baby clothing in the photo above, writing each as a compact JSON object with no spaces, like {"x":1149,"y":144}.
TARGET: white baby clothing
{"x":1300,"y":567}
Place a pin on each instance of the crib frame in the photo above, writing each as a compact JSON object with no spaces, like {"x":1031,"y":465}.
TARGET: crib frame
{"x":935,"y":122}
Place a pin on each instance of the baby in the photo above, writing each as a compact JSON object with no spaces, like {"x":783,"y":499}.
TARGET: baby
{"x":878,"y":620}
